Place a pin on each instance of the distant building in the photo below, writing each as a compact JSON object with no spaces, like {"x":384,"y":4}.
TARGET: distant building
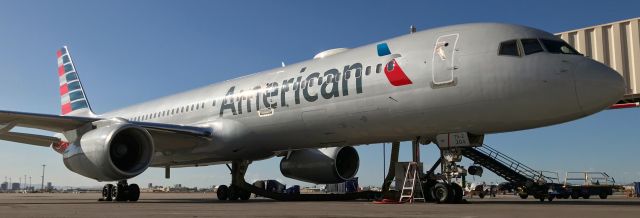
{"x":4,"y":186}
{"x":15,"y":186}
{"x":49,"y":186}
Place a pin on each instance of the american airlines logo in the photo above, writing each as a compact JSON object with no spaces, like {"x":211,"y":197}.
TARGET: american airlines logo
{"x":393,"y":71}
{"x":310,"y":88}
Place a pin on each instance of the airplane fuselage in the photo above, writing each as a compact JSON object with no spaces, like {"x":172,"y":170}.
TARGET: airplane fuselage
{"x":452,"y":80}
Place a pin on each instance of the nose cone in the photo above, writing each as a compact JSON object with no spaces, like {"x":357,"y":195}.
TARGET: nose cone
{"x":597,"y":86}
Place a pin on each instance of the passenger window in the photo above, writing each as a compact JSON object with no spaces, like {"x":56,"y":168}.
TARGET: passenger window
{"x":558,"y":47}
{"x":531,"y":46}
{"x":378,"y":68}
{"x":368,"y":71}
{"x":347,"y":75}
{"x":509,"y":48}
{"x":329,"y":78}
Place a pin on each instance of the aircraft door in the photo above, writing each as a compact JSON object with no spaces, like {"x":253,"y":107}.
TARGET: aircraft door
{"x":443,"y":59}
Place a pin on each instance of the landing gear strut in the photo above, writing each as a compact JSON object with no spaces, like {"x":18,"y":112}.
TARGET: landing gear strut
{"x":121,"y":192}
{"x":234,"y":192}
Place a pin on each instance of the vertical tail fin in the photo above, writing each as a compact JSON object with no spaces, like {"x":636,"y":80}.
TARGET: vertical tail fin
{"x":73,"y":101}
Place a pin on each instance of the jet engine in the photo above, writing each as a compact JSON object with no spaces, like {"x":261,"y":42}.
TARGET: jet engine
{"x":321,"y":166}
{"x":109,"y":153}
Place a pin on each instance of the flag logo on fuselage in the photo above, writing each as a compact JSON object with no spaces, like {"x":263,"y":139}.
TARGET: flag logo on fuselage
{"x":392,"y":70}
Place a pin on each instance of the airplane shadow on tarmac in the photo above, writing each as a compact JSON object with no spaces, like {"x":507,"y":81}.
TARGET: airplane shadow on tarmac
{"x":54,"y":201}
{"x":596,"y":202}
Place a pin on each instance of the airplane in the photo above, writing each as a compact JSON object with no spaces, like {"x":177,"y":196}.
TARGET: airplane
{"x":449,"y":85}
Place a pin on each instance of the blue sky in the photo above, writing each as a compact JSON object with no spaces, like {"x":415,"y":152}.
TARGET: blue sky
{"x":132,"y":51}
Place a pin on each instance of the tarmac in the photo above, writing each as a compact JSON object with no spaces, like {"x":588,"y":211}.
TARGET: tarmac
{"x":205,"y":205}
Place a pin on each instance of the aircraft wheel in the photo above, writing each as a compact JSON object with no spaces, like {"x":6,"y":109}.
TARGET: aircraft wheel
{"x":524,"y":195}
{"x":234,"y":193}
{"x":223,"y":192}
{"x":575,"y":195}
{"x":442,"y":193}
{"x":550,"y":198}
{"x":586,"y":196}
{"x":245,"y":195}
{"x":481,"y":195}
{"x":134,"y":192}
{"x":603,"y":196}
{"x":107,"y":192}
{"x":120,"y":192}
{"x":457,"y":193}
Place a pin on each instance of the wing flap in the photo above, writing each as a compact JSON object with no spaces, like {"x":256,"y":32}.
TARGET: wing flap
{"x":53,"y":123}
{"x":166,"y":136}
{"x":26,"y":138}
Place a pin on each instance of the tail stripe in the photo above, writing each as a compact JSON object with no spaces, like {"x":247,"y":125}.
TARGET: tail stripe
{"x":64,"y":89}
{"x":72,"y":97}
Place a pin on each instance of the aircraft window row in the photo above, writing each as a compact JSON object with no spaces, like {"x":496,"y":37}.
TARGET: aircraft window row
{"x":170,"y":112}
{"x":518,"y":47}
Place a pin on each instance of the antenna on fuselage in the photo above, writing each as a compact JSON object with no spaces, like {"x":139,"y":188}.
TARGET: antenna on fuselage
{"x":412,"y":29}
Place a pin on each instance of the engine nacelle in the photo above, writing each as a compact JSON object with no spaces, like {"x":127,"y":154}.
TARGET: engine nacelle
{"x":321,"y":166}
{"x":109,"y":153}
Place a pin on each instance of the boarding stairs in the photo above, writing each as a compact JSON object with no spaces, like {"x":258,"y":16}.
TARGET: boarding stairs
{"x":409,"y":188}
{"x":505,"y":166}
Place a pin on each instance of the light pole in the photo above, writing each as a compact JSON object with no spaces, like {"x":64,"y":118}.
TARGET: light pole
{"x":42,"y":185}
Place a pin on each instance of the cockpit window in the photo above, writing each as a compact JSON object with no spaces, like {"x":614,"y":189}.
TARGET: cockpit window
{"x":531,"y":46}
{"x":558,"y":47}
{"x":509,"y":48}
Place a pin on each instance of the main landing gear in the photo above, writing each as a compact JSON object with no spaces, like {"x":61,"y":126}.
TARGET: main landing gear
{"x":121,"y":192}
{"x":234,"y":191}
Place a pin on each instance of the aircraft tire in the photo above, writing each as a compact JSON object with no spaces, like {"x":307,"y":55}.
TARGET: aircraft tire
{"x":120,"y":192}
{"x":523,"y":196}
{"x":223,"y":193}
{"x":442,"y":193}
{"x":457,"y":193}
{"x":134,"y":192}
{"x":245,"y":195}
{"x":234,"y":193}
{"x":603,"y":196}
{"x":107,"y":192}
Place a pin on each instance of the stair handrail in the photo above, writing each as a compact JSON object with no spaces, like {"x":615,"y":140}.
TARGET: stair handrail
{"x":536,"y":176}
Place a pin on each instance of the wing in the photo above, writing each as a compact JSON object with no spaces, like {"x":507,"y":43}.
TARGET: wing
{"x":164,"y":134}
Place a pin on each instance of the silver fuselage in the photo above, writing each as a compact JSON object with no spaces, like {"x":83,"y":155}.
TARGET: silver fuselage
{"x":472,"y":90}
